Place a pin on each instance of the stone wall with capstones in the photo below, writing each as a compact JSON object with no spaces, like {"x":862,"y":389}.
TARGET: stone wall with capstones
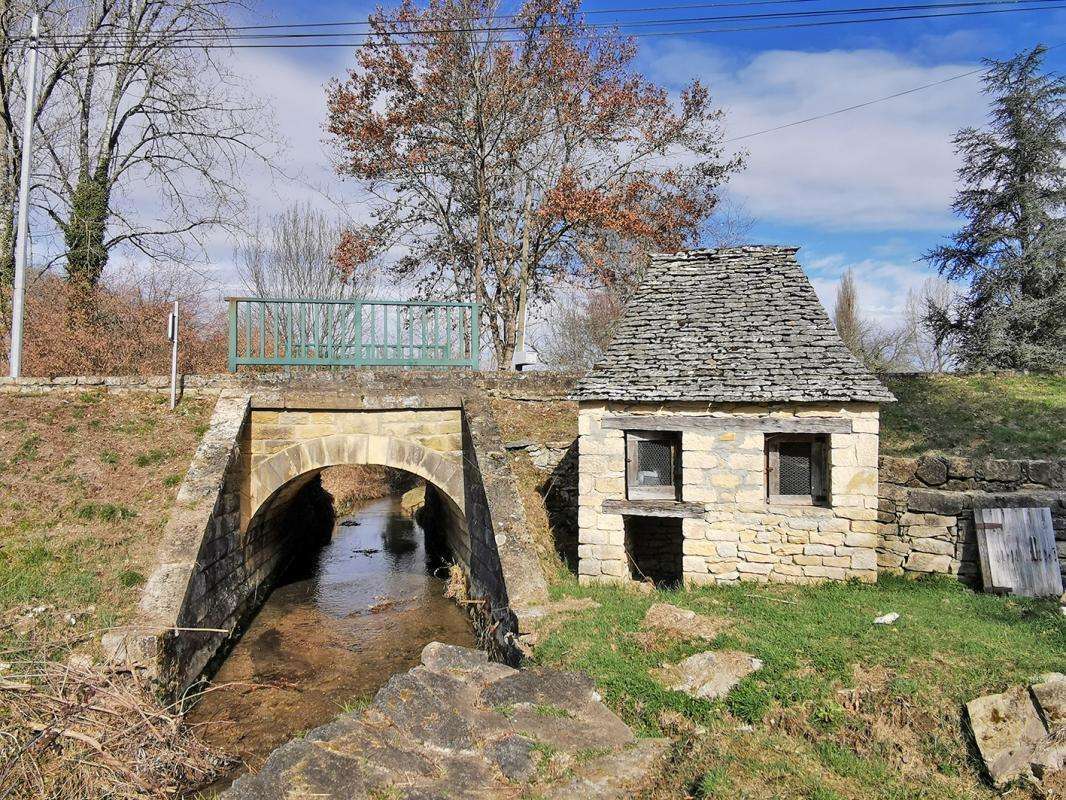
{"x":737,"y":535}
{"x":926,"y":508}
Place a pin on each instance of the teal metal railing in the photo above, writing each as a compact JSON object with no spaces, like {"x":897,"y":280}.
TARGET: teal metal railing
{"x":270,"y":331}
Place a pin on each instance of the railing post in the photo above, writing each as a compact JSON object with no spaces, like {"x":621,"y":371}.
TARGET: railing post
{"x":232,"y":335}
{"x":475,"y":336}
{"x":359,"y":333}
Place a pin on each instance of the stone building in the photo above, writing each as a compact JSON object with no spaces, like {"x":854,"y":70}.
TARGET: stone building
{"x":727,"y":434}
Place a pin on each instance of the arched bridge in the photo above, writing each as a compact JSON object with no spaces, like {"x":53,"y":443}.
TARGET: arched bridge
{"x":230,"y":534}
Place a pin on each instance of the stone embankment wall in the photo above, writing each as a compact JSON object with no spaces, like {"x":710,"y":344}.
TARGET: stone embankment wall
{"x":927,"y":508}
{"x":184,"y":616}
{"x":504,"y":573}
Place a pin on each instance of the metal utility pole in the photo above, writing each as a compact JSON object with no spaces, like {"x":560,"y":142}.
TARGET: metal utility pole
{"x":23,"y":230}
{"x":172,"y":331}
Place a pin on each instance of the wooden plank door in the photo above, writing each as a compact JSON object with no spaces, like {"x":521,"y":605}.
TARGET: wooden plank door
{"x":1017,"y":551}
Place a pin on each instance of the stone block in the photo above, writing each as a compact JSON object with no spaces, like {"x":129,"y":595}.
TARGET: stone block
{"x":864,"y":560}
{"x":819,"y":550}
{"x":899,"y":471}
{"x":928,"y":562}
{"x":1006,"y":729}
{"x":1039,"y":472}
{"x":693,"y":564}
{"x":934,"y":546}
{"x":832,"y":573}
{"x":751,"y":568}
{"x":941,"y":503}
{"x":837,"y":561}
{"x":959,"y":468}
{"x":862,"y":539}
{"x":932,"y":470}
{"x":999,"y":470}
{"x":865,"y":526}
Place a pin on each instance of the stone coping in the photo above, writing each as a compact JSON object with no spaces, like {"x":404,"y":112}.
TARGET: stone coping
{"x":518,"y":385}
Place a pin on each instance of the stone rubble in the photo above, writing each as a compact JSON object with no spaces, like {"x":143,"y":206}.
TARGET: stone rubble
{"x":1021,"y":733}
{"x":708,"y":675}
{"x":460,"y":726}
{"x":675,"y":621}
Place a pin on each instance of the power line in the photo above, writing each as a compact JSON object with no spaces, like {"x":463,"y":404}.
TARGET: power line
{"x":865,"y":103}
{"x":639,"y":23}
{"x":193,"y":43}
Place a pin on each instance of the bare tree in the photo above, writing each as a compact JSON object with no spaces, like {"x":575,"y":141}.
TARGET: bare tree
{"x":928,"y":352}
{"x":846,"y":313}
{"x":498,"y":164}
{"x":293,"y":256}
{"x":143,"y":130}
{"x":578,"y":330}
{"x":882,"y":348}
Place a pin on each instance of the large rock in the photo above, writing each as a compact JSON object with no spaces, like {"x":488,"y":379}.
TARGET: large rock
{"x":1049,"y":696}
{"x":708,"y":675}
{"x":464,"y":728}
{"x":1008,"y":731}
{"x":682,"y":622}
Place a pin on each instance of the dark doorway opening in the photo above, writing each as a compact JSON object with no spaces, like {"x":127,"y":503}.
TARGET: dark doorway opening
{"x":654,"y":547}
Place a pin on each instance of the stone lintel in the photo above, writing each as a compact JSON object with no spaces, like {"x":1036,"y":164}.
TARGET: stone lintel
{"x":684,"y":422}
{"x":654,"y":508}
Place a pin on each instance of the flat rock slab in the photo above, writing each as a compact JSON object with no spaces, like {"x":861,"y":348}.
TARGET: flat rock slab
{"x":683,"y":622}
{"x":708,"y":675}
{"x":1049,"y":696}
{"x":462,"y":727}
{"x":1021,"y":734}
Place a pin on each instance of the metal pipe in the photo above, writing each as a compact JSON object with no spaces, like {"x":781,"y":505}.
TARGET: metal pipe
{"x":23,"y":228}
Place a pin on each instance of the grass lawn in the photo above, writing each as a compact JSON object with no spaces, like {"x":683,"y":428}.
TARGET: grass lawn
{"x":87,"y":481}
{"x":842,"y":708}
{"x":976,"y":415}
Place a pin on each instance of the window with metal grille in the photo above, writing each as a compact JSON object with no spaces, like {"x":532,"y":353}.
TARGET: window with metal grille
{"x":653,"y":465}
{"x":797,"y":468}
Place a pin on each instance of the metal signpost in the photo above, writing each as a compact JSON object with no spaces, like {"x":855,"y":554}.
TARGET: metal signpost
{"x":172,"y":332}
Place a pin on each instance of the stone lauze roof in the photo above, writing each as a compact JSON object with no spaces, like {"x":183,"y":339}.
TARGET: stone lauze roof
{"x":738,"y":324}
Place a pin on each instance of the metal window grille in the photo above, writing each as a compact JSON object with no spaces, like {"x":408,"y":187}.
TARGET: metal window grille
{"x":655,"y":463}
{"x":795,"y":468}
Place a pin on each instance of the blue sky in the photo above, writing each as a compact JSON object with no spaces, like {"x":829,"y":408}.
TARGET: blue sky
{"x":870,"y":189}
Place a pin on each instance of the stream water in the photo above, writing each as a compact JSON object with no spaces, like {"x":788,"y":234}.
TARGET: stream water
{"x":344,"y":619}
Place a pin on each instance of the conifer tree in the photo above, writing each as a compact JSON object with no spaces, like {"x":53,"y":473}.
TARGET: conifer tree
{"x":1012,"y":249}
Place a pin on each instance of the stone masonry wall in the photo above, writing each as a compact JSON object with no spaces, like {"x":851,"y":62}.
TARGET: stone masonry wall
{"x":181,"y":596}
{"x":272,"y":431}
{"x":739,"y":536}
{"x":927,"y":508}
{"x":511,"y":385}
{"x":505,"y":574}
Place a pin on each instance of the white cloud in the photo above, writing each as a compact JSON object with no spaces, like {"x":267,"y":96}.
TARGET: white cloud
{"x":882,"y":285}
{"x":890,"y":166}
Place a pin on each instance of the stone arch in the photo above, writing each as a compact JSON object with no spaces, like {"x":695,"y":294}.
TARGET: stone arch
{"x":307,"y":458}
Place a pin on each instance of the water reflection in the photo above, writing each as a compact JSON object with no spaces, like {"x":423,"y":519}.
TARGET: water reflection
{"x":345,"y":618}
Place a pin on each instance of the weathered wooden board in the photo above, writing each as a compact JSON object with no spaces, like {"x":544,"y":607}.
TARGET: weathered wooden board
{"x":1017,"y":551}
{"x":654,"y":508}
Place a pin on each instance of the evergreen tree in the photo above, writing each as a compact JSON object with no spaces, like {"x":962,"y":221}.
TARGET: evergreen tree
{"x":1012,"y":249}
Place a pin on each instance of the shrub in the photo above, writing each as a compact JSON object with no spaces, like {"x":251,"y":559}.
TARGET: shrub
{"x":114,"y":330}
